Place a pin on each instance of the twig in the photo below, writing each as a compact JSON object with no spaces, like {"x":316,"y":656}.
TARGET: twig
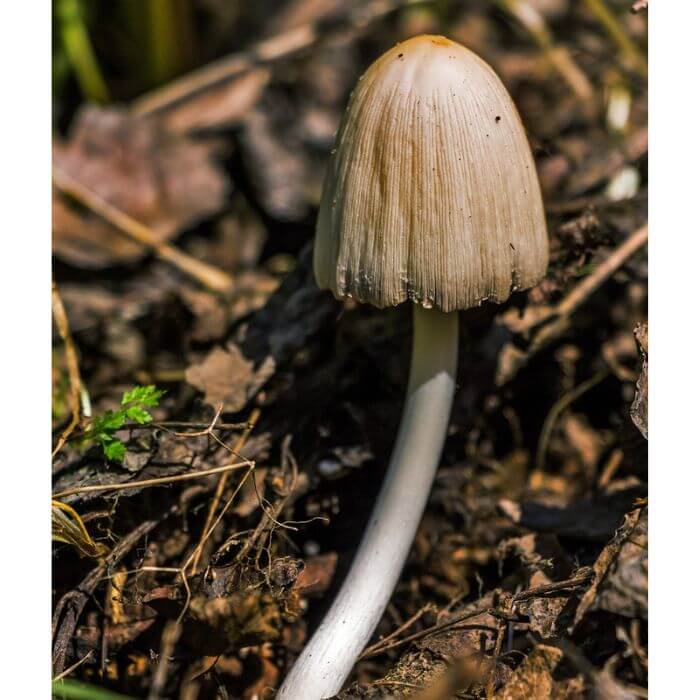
{"x":269,"y":50}
{"x":61,"y":319}
{"x":76,"y":599}
{"x":611,"y":24}
{"x":224,"y":69}
{"x":558,"y":56}
{"x":431,"y":630}
{"x":580,"y":578}
{"x":503,"y":611}
{"x":399,"y":684}
{"x":240,"y":443}
{"x":207,"y":532}
{"x":557,"y":320}
{"x":557,"y":409}
{"x":269,"y":518}
{"x":187,"y":425}
{"x":168,"y":640}
{"x":207,"y":430}
{"x":377,"y":647}
{"x":152,"y":482}
{"x":72,"y":668}
{"x":611,"y":466}
{"x":602,"y":272}
{"x":207,"y":275}
{"x":491,"y":681}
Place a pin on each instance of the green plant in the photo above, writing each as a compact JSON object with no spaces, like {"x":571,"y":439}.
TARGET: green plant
{"x":103,"y":428}
{"x":75,"y":690}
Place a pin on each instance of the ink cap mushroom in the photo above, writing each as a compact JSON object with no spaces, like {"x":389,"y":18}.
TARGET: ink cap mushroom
{"x":431,"y":196}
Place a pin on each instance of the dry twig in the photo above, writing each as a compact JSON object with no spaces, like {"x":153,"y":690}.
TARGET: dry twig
{"x":74,"y":601}
{"x":275,"y":48}
{"x":556,"y":322}
{"x":504,"y":611}
{"x":556,"y":411}
{"x":152,"y":482}
{"x":240,"y":443}
{"x":628,"y":49}
{"x":61,"y":320}
{"x":207,"y":275}
{"x":558,"y":56}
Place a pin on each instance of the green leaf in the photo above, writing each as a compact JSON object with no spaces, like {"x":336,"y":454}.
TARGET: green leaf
{"x":133,"y":408}
{"x":138,"y":415}
{"x":144,"y":395}
{"x":111,"y":420}
{"x":114,"y":449}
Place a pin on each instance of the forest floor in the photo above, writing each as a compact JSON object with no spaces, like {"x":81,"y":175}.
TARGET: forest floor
{"x":221,"y":426}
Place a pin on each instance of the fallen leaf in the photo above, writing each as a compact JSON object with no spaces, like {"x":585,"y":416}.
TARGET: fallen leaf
{"x":165,"y":181}
{"x":227,"y":378}
{"x":639,"y":408}
{"x":211,"y":314}
{"x":625,"y":589}
{"x":604,"y":565}
{"x":317,"y":575}
{"x":532,"y":680}
{"x":545,"y":613}
{"x":242,"y":619}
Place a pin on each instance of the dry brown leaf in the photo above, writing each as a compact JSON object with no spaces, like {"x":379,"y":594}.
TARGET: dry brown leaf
{"x":533,"y":680}
{"x":162,"y":180}
{"x":211,"y":314}
{"x":625,"y":589}
{"x":225,"y":377}
{"x":317,"y":576}
{"x":605,"y":564}
{"x":545,"y":612}
{"x":639,"y":408}
{"x":241,"y":619}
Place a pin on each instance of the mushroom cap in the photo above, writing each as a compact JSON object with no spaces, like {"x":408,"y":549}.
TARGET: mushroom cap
{"x":431,"y":193}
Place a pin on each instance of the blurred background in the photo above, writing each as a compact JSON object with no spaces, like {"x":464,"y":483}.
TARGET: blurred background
{"x":189,"y":144}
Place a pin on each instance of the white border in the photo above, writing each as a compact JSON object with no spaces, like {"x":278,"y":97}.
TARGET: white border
{"x":25,"y":54}
{"x":674,"y":329}
{"x":25,"y":347}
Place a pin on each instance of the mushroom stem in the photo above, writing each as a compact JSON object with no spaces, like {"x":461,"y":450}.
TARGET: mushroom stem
{"x":328,"y":658}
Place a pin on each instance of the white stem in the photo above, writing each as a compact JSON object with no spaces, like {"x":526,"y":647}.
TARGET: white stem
{"x":328,"y":658}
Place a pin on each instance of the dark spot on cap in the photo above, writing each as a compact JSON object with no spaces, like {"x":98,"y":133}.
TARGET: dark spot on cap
{"x":511,"y":245}
{"x":498,"y":119}
{"x":400,"y":55}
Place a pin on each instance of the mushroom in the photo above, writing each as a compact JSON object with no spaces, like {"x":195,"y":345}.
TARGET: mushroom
{"x":431,"y":196}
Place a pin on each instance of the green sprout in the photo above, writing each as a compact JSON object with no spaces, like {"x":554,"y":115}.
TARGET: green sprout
{"x":103,"y":428}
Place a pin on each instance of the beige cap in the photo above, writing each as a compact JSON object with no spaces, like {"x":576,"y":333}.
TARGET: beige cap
{"x":431,"y":192}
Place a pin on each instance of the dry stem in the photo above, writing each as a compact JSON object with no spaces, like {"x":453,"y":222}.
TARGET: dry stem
{"x":61,"y":319}
{"x":240,"y":443}
{"x":207,"y":275}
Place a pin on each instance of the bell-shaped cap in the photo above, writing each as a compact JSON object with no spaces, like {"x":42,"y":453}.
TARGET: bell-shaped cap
{"x":431,"y":192}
